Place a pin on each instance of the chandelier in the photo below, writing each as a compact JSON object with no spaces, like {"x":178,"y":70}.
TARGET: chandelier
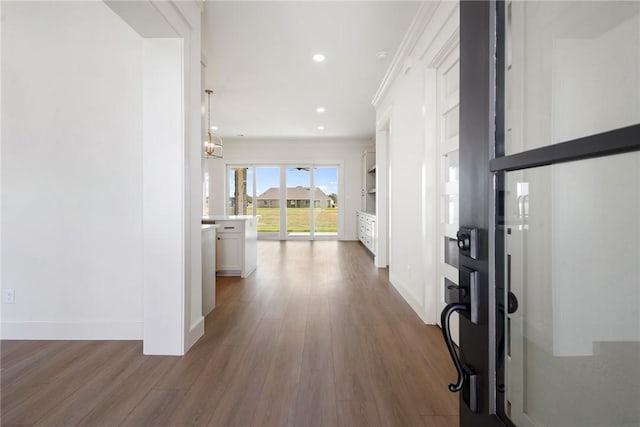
{"x":213,"y":144}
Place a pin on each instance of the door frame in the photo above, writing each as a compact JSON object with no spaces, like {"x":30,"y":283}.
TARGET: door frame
{"x":476,"y":196}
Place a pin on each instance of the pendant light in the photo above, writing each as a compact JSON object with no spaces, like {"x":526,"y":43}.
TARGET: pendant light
{"x":213,"y":144}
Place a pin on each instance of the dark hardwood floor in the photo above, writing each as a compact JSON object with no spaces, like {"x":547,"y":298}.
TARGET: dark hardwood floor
{"x":317,"y":336}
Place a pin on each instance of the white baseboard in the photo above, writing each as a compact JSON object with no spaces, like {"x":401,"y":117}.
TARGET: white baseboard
{"x":71,"y":330}
{"x":404,"y":293}
{"x":196,"y":331}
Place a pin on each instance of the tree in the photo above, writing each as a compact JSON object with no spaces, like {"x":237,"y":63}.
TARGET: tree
{"x":334,"y":197}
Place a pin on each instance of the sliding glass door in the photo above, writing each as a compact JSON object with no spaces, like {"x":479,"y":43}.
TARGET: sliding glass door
{"x":325,"y":201}
{"x":293,"y":201}
{"x":267,"y":201}
{"x":298,"y":207}
{"x":240,"y":190}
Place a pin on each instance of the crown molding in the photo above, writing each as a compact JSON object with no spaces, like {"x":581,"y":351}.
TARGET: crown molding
{"x":450,"y":27}
{"x":398,"y":64}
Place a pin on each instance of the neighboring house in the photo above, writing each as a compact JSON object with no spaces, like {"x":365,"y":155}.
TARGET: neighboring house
{"x":297,"y":197}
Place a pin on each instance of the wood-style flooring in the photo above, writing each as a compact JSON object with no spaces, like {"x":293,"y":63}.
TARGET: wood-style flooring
{"x":317,"y":336}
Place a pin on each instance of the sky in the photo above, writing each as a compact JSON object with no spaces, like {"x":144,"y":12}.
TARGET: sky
{"x":326,"y":178}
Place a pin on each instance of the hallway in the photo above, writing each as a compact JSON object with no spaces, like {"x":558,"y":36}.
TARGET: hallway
{"x":317,"y":336}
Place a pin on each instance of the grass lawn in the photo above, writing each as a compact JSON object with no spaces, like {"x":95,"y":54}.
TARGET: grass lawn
{"x":298,"y":219}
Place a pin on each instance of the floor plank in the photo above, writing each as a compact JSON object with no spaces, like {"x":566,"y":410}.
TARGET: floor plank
{"x":200,"y":401}
{"x":94,"y":389}
{"x":357,"y":414}
{"x":316,"y":400}
{"x":441,"y":421}
{"x":239,"y":401}
{"x":277,"y":400}
{"x":316,"y":336}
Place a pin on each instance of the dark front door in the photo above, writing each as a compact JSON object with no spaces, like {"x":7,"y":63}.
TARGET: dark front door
{"x":550,"y":214}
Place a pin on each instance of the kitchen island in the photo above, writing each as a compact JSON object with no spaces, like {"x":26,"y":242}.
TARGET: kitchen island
{"x":236,"y":244}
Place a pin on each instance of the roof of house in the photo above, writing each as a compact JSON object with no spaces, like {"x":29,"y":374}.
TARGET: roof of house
{"x":293,"y":193}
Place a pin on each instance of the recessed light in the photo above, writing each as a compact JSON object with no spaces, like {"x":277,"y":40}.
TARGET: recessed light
{"x":214,"y":127}
{"x":318,"y":57}
{"x":320,"y":127}
{"x":320,"y":109}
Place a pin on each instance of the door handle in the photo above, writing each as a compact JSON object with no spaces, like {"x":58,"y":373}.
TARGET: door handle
{"x":468,"y":381}
{"x":445,"y":319}
{"x":512,"y":303}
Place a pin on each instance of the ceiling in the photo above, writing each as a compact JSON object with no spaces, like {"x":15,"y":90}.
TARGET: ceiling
{"x":265,"y":82}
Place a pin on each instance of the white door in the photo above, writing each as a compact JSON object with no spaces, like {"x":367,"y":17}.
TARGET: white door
{"x":448,"y":99}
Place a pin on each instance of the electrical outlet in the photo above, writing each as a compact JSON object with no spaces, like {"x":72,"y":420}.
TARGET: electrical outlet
{"x":9,"y":296}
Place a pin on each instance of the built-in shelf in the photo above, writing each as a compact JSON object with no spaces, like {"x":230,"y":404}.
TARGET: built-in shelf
{"x":369,"y":175}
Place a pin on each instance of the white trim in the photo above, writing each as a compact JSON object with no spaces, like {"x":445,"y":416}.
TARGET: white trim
{"x":383,"y":119}
{"x":416,"y":306}
{"x":72,"y":330}
{"x":420,"y":21}
{"x":196,"y":331}
{"x":450,"y":26}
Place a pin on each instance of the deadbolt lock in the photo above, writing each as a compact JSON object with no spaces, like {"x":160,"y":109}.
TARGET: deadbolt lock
{"x":468,"y":241}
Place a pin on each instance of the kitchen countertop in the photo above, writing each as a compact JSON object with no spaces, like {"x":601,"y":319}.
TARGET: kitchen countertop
{"x":209,"y":219}
{"x":209,"y":226}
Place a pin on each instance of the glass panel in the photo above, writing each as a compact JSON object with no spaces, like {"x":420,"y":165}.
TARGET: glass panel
{"x":451,"y":121}
{"x":240,"y":191}
{"x":298,"y":199}
{"x":231,"y":191}
{"x":573,"y":70}
{"x":325,"y":207}
{"x":249,"y":210}
{"x":572,"y":245}
{"x":268,"y":199}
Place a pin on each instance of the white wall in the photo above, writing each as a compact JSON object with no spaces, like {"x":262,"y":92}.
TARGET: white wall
{"x":71,"y":172}
{"x":181,"y":21}
{"x":72,"y":176}
{"x":346,"y":153}
{"x":403,"y":103}
{"x":163,"y":197}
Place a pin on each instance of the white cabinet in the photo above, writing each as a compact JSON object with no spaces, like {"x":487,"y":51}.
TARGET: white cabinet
{"x":229,"y":253}
{"x":236,"y":244}
{"x":367,"y":230}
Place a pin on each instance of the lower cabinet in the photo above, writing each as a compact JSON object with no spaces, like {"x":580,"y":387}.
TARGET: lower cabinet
{"x":236,"y":244}
{"x":367,"y":230}
{"x":229,"y":251}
